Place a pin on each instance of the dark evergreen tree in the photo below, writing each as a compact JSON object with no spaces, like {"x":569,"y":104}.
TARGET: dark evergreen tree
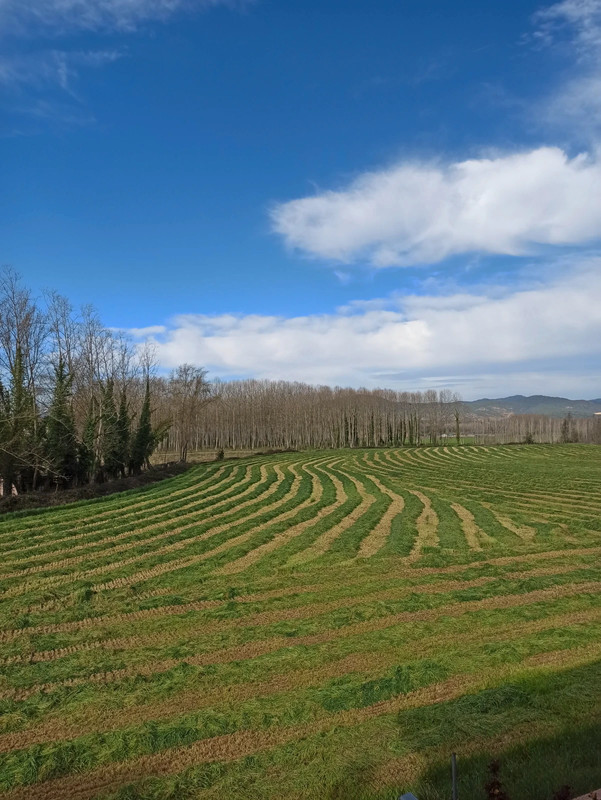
{"x":109,"y":433}
{"x":123,"y":434}
{"x":144,"y":441}
{"x":87,"y":462}
{"x":61,"y":441}
{"x":18,"y":442}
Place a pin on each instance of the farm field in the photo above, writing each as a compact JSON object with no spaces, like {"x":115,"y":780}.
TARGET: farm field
{"x":309,"y":625}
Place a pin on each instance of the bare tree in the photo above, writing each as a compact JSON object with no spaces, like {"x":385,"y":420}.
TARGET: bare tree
{"x":189,"y":392}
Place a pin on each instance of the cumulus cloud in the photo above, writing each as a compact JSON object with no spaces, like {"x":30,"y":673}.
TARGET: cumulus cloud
{"x":92,"y":15}
{"x":416,"y":213}
{"x":414,"y":342}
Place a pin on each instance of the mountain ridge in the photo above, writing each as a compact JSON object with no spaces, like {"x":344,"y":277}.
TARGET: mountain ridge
{"x":532,"y":404}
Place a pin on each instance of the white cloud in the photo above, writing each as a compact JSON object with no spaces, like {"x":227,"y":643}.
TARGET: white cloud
{"x":417,"y":213}
{"x":421,"y":341}
{"x":145,"y":333}
{"x":92,"y":15}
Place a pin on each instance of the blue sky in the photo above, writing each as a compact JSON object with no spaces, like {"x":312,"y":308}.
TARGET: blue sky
{"x":397,"y":192}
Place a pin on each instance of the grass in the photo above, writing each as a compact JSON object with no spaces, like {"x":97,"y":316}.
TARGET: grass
{"x":222,"y":631}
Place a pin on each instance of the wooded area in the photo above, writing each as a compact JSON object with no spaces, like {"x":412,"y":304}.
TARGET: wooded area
{"x":80,"y":403}
{"x":253,"y":414}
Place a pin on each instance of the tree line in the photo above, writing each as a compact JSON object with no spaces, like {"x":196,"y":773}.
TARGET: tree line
{"x":80,"y":403}
{"x":261,"y":414}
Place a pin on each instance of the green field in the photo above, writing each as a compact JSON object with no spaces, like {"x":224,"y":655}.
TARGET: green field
{"x":315,"y":625}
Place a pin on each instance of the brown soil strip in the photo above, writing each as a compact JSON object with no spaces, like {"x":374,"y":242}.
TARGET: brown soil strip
{"x":464,"y":455}
{"x":575,"y":500}
{"x":427,"y":527}
{"x":229,"y":747}
{"x":402,"y":573}
{"x":246,"y":561}
{"x":560,"y":499}
{"x":256,"y":597}
{"x":120,"y":514}
{"x":198,"y":517}
{"x":474,"y":535}
{"x":376,"y":539}
{"x":177,"y":563}
{"x":525,"y":532}
{"x":234,"y":746}
{"x":435,"y":456}
{"x":540,"y":571}
{"x":261,"y":618}
{"x":308,"y":612}
{"x":103,"y":720}
{"x":73,"y":537}
{"x":257,"y":648}
{"x":323,"y":542}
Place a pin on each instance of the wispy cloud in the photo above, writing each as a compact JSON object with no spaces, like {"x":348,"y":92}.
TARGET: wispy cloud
{"x":51,"y":68}
{"x":41,"y":90}
{"x":574,"y":105}
{"x":578,"y":20}
{"x":412,"y":341}
{"x":417,"y":213}
{"x":60,"y":16}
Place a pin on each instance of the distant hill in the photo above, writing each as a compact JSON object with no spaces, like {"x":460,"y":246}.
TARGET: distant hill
{"x":536,"y":404}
